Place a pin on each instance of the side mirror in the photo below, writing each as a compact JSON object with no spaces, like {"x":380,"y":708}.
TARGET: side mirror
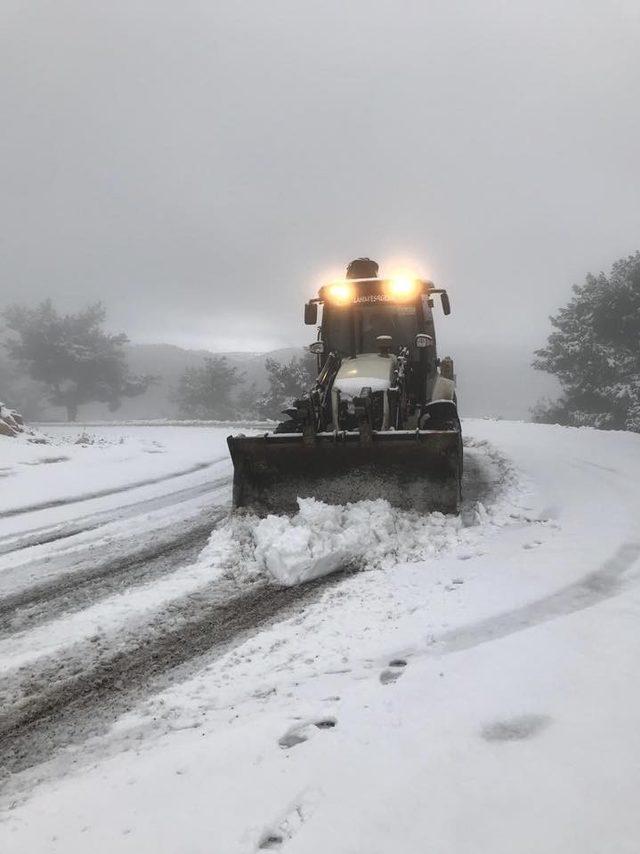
{"x":317,"y":348}
{"x":446,"y":305}
{"x":423,"y":340}
{"x":311,"y":313}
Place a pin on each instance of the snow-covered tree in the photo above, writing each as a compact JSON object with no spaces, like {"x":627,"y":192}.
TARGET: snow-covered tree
{"x":72,"y":355}
{"x":594,"y":351}
{"x":286,"y":383}
{"x":207,"y":391}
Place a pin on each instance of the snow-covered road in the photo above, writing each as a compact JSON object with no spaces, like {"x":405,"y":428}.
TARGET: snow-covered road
{"x":470,"y":688}
{"x":102,"y":597}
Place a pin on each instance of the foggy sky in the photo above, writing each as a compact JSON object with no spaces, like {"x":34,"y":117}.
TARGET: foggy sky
{"x":200,"y":166}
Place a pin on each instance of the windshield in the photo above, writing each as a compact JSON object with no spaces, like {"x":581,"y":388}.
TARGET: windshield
{"x":356,"y":328}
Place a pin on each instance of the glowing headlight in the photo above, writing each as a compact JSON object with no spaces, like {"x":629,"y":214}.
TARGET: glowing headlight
{"x":401,"y":288}
{"x":341,"y":293}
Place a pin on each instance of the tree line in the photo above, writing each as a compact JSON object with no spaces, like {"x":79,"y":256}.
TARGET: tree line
{"x":593,"y":350}
{"x":217,"y":389}
{"x":75,"y":362}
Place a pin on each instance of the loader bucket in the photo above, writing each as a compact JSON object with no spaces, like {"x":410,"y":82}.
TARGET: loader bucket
{"x":414,"y":470}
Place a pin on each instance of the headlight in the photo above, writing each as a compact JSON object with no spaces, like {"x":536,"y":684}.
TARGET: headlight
{"x":402,"y":288}
{"x":341,"y":293}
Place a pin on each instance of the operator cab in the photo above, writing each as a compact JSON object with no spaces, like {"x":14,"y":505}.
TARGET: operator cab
{"x":355,"y":328}
{"x":360,"y":315}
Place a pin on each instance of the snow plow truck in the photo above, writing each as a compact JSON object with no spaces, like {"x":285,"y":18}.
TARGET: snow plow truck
{"x":381,"y":420}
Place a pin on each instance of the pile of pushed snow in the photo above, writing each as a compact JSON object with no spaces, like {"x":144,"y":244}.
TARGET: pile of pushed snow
{"x":323,"y":538}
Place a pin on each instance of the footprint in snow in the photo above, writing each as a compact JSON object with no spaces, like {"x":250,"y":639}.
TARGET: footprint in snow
{"x":290,"y":823}
{"x":271,"y":841}
{"x":299,"y":733}
{"x":515,"y":729}
{"x":393,"y":672}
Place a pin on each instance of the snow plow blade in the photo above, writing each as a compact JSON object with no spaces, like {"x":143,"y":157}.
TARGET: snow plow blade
{"x":414,"y":469}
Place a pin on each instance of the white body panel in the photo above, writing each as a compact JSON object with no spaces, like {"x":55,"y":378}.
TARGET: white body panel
{"x":367,"y":370}
{"x":443,"y":389}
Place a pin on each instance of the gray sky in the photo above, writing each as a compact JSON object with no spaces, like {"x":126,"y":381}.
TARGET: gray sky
{"x":200,"y":166}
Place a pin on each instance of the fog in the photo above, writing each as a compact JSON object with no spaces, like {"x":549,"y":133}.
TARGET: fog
{"x":201,"y":166}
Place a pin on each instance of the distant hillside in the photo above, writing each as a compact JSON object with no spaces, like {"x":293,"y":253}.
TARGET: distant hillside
{"x":491,"y":383}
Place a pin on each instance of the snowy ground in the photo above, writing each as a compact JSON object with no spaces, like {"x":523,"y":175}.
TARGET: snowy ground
{"x":465,"y":685}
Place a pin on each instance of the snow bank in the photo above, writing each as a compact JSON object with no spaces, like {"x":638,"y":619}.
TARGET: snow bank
{"x":322,"y":538}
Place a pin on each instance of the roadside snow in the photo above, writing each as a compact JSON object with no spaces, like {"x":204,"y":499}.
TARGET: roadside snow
{"x":80,"y":463}
{"x":168,"y":422}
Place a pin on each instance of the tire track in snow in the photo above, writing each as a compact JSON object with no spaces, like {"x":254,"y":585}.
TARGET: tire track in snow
{"x":610,"y":579}
{"x":88,"y":496}
{"x":63,"y":530}
{"x":64,"y":699}
{"x":63,"y":582}
{"x":67,"y":701}
{"x":67,"y":593}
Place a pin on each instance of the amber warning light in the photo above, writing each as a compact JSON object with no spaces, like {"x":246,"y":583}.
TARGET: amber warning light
{"x":399,"y":288}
